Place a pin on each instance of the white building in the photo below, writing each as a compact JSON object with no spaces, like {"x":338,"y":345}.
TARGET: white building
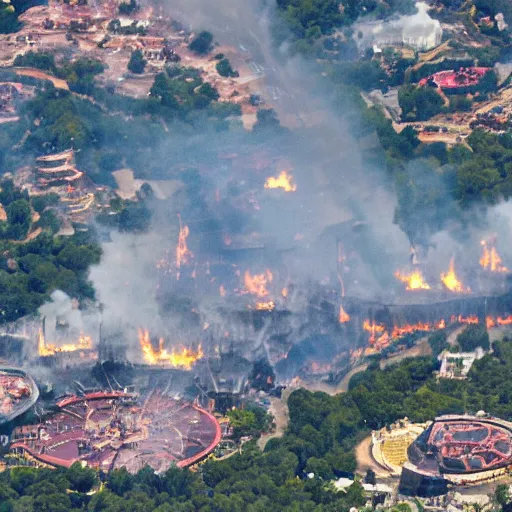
{"x":419,"y":31}
{"x":457,"y":366}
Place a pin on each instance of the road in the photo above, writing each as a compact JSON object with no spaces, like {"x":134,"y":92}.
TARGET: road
{"x":279,"y":409}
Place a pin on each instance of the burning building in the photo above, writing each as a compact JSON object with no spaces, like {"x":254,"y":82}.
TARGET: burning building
{"x":66,"y":334}
{"x":181,"y":358}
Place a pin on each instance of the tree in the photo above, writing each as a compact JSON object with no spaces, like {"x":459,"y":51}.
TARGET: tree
{"x":137,"y":63}
{"x":266,"y":119}
{"x":370,"y":477}
{"x":210,"y":92}
{"x":120,"y":481}
{"x":243,"y":423}
{"x":19,"y":218}
{"x":438,"y":342}
{"x":78,"y":257}
{"x":128,"y":7}
{"x":501,"y":495}
{"x":488,"y":83}
{"x":39,"y":60}
{"x":8,"y":19}
{"x":419,"y":103}
{"x":472,"y":337}
{"x":202,"y":43}
{"x":135,"y":217}
{"x":81,"y":479}
{"x":475,"y":180}
{"x":224,"y":68}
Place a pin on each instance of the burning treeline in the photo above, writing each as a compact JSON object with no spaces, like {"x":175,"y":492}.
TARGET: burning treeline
{"x":490,"y":261}
{"x":260,"y":287}
{"x":379,"y":334}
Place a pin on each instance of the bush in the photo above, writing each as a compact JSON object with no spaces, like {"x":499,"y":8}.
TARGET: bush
{"x":224,"y":68}
{"x":128,"y":7}
{"x":38,"y":60}
{"x":137,"y":62}
{"x":202,"y":43}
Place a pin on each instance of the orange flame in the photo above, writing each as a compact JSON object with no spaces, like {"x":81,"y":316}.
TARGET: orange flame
{"x":408,"y":329}
{"x":414,"y":280}
{"x":504,"y":321}
{"x":49,"y":349}
{"x":257,"y":284}
{"x":472,"y":319}
{"x":373,"y":329}
{"x":451,"y":281}
{"x":265,"y":306}
{"x":492,"y":322}
{"x":184,"y":358}
{"x":183,"y":255}
{"x":344,"y":317}
{"x":284,"y":181}
{"x":222,"y":291}
{"x":284,"y":293}
{"x":490,"y":259}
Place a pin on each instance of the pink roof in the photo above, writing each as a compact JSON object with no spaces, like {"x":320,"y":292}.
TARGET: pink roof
{"x":218,"y":435}
{"x":465,"y":77}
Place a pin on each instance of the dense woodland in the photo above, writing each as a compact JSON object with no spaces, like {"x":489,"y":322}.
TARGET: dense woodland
{"x":30,"y":271}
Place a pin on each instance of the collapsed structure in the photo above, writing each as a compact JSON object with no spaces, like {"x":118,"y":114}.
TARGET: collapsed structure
{"x":113,"y":429}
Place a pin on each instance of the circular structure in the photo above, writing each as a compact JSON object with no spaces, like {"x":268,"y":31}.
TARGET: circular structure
{"x":18,"y":393}
{"x":457,"y":450}
{"x":108,"y":430}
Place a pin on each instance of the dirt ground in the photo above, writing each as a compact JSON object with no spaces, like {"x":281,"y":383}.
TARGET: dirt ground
{"x":279,"y":409}
{"x":421,"y":348}
{"x":36,"y":73}
{"x":365,"y":461}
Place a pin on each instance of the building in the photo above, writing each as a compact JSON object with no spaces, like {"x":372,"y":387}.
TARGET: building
{"x":418,"y":31}
{"x":114,"y":429}
{"x":461,"y":81}
{"x":58,"y":173}
{"x":457,"y":450}
{"x":57,"y":169}
{"x":421,"y":31}
{"x":457,"y":366}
